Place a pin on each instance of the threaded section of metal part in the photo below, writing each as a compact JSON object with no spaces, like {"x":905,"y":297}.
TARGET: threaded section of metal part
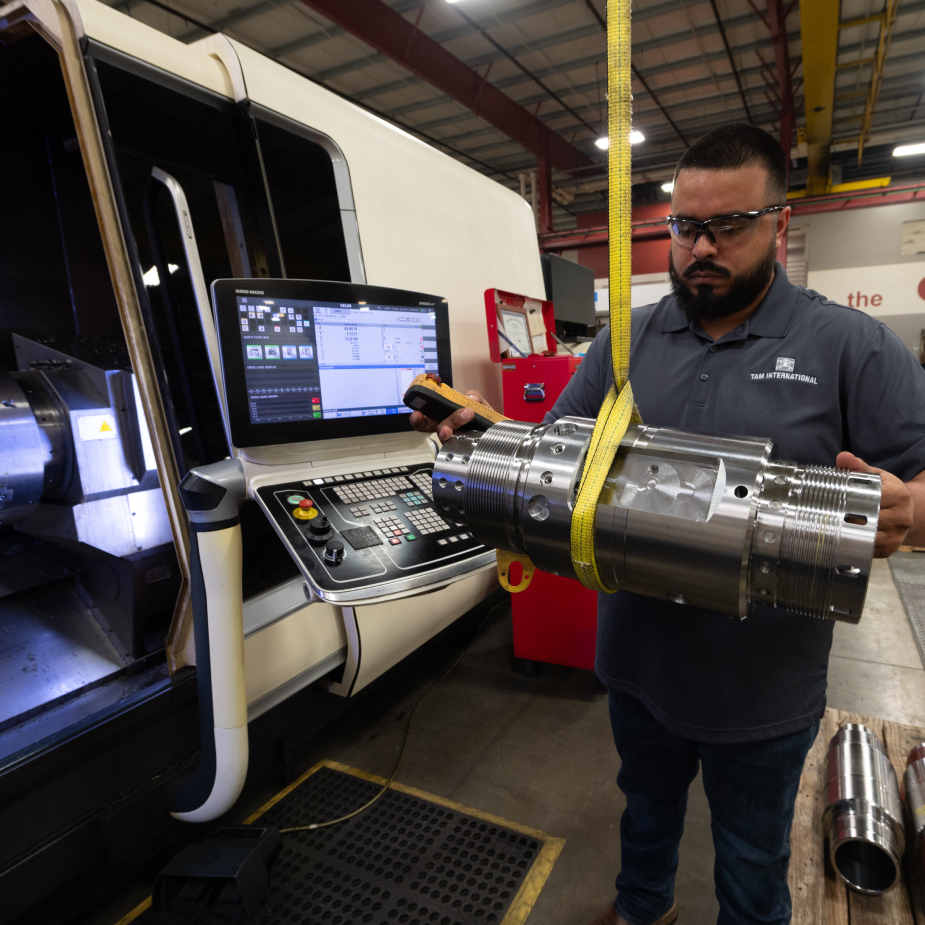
{"x":494,"y":464}
{"x":810,"y":541}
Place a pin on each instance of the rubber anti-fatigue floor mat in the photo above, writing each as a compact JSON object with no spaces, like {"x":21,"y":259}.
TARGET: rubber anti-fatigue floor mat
{"x":410,"y":859}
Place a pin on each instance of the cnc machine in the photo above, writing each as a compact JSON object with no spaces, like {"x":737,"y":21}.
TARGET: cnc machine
{"x":137,"y":170}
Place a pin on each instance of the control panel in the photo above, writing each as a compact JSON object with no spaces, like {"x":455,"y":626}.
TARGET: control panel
{"x":351,"y":534}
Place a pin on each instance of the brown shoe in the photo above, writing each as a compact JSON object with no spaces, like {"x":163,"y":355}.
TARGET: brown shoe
{"x":610,"y":917}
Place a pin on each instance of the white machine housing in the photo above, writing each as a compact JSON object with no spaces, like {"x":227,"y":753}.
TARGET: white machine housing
{"x":413,"y":218}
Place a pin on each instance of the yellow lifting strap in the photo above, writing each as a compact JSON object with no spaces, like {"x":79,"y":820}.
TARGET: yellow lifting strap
{"x":618,"y":409}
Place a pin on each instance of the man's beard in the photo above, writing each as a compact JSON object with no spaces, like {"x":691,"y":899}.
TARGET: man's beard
{"x":705,"y":305}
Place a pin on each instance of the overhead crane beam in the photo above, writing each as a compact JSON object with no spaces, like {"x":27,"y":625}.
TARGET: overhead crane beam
{"x":391,"y":34}
{"x":887,"y":22}
{"x":819,"y":30}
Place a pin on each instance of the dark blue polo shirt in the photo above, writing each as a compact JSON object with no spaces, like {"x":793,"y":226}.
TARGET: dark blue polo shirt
{"x":815,"y":377}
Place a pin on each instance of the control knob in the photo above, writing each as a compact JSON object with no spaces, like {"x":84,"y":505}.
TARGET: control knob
{"x":334,"y":552}
{"x":319,"y":529}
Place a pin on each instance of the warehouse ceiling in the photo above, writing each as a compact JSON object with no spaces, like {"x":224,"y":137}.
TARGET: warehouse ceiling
{"x":697,"y":64}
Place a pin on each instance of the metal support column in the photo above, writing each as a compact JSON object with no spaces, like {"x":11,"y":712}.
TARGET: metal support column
{"x":544,"y":184}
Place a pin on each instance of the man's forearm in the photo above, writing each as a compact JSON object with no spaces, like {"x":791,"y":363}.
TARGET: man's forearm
{"x":916,"y":536}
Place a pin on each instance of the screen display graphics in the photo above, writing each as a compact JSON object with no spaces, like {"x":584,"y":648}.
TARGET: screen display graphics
{"x":321,"y":360}
{"x":306,"y":360}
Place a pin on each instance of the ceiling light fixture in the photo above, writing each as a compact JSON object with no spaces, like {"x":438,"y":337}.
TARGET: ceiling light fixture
{"x":906,"y":150}
{"x":668,"y":187}
{"x":635,"y":138}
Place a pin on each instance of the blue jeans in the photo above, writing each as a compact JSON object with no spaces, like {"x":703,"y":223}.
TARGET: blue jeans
{"x":751,"y":787}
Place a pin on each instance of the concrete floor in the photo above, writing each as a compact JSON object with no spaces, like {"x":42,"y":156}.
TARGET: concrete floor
{"x":875,"y":668}
{"x":538,"y":751}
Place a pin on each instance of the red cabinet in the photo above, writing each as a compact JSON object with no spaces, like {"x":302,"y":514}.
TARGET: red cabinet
{"x":531,"y":385}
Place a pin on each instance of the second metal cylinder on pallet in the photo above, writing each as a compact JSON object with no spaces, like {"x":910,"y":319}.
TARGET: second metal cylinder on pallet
{"x":863,"y":819}
{"x":914,"y":785}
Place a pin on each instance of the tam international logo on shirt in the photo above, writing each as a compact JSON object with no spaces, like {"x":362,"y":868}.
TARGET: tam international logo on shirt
{"x":785,"y":368}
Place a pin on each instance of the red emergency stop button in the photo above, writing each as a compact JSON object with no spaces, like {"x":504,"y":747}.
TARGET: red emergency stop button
{"x":306,"y":503}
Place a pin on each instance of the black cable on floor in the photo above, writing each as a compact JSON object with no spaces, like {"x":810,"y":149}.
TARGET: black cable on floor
{"x":404,"y":744}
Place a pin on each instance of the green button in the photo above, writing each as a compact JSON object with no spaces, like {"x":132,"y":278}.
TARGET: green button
{"x":295,"y":499}
{"x":410,"y":536}
{"x":317,"y":414}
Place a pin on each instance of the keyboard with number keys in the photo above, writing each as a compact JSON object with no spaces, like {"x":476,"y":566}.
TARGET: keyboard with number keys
{"x":414,"y":498}
{"x":428,"y":521}
{"x":371,"y":490}
{"x":351,"y":533}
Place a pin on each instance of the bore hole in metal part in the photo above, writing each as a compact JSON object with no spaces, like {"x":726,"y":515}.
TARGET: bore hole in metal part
{"x":546,"y":478}
{"x":465,"y":459}
{"x":769,"y":536}
{"x":442,"y":483}
{"x":858,"y":519}
{"x":448,"y":457}
{"x":565,"y":430}
{"x":844,"y":611}
{"x":764,"y":592}
{"x":741,"y":491}
{"x":863,"y":482}
{"x":866,"y":866}
{"x":538,"y":507}
{"x":653,"y":469}
{"x":765,"y":568}
{"x":558,"y":448}
{"x":459,"y":486}
{"x":849,"y":570}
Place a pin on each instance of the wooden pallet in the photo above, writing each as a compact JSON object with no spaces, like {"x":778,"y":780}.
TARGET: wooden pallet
{"x":818,"y":896}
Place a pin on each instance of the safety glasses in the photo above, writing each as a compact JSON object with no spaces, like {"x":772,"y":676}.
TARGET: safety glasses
{"x":722,"y":230}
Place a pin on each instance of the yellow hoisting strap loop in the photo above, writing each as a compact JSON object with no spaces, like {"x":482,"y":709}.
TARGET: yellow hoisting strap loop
{"x":618,"y":409}
{"x":505,"y":561}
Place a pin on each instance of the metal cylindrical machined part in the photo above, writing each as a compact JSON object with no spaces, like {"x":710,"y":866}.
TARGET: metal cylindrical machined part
{"x":34,"y":437}
{"x":701,"y":519}
{"x":914,"y":785}
{"x":863,"y":819}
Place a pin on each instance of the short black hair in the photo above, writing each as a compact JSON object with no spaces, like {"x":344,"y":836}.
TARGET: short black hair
{"x":735,"y":145}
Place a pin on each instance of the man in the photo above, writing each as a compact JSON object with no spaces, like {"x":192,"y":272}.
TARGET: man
{"x":691,"y":688}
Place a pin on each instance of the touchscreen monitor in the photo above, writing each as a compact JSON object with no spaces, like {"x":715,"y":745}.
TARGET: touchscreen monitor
{"x":312,"y":360}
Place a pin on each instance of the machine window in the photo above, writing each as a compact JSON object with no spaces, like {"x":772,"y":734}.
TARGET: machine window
{"x":304,"y":195}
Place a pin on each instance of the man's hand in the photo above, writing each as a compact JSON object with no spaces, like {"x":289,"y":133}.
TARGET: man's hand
{"x":446,"y":428}
{"x":897,"y":506}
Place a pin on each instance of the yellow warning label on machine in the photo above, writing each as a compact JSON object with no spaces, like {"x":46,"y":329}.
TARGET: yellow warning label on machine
{"x":96,"y":427}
